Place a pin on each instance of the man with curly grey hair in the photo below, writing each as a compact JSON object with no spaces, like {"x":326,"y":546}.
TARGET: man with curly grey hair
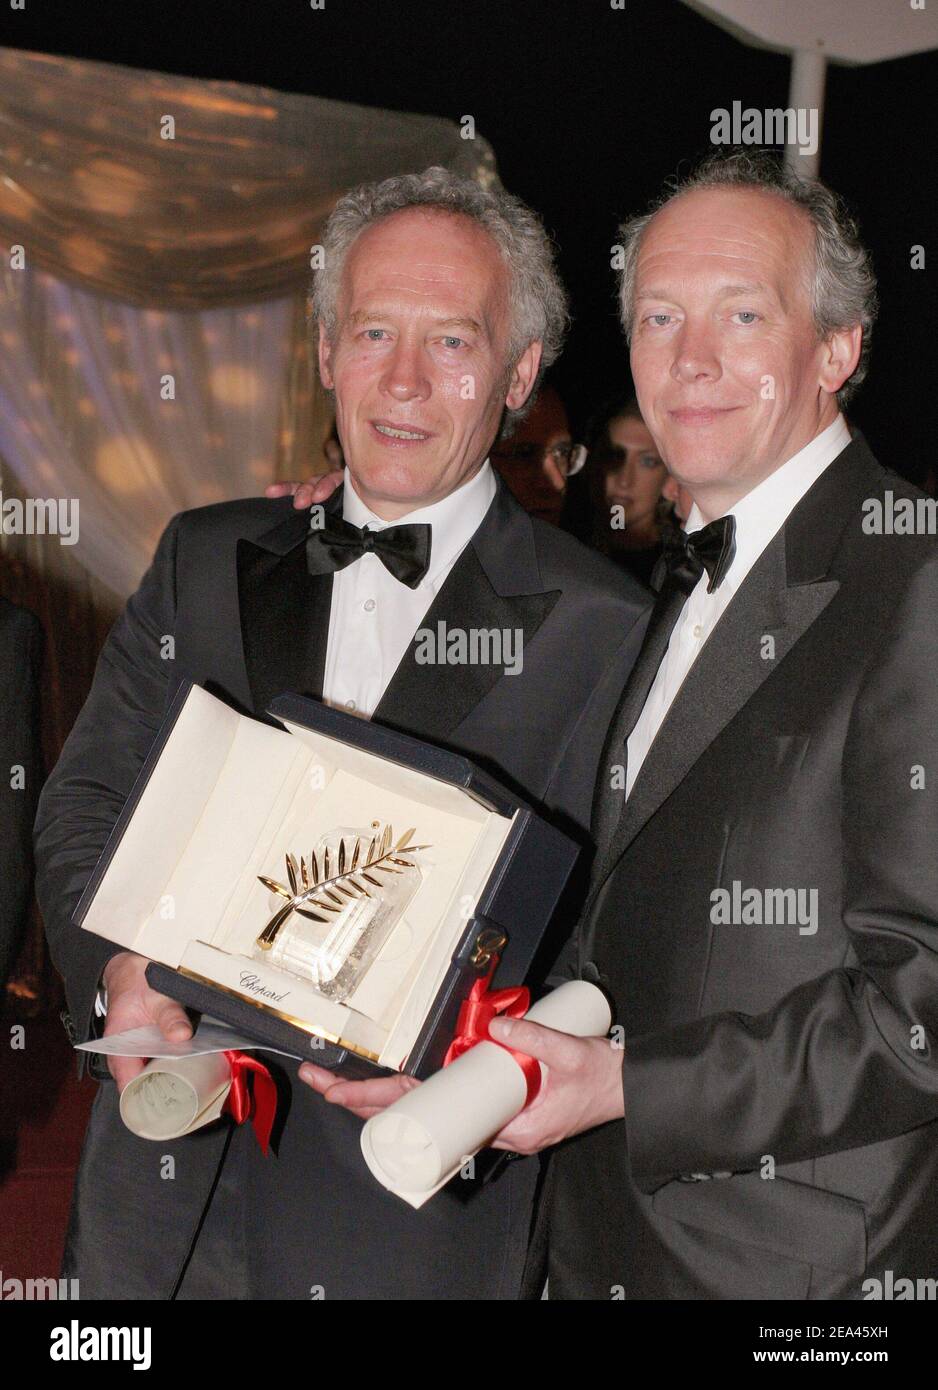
{"x":437,"y":309}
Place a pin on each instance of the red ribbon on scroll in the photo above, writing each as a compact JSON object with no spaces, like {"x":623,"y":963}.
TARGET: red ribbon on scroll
{"x":261,"y":1107}
{"x":478,"y":1009}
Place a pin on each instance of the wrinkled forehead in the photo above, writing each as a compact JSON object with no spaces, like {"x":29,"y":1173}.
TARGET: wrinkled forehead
{"x":426,"y":253}
{"x":712,"y":236}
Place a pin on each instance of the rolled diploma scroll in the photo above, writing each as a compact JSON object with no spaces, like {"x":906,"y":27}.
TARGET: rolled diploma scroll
{"x":421,"y":1141}
{"x":172,"y":1096}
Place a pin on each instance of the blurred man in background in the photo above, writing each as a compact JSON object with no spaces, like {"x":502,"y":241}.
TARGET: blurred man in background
{"x":539,"y":457}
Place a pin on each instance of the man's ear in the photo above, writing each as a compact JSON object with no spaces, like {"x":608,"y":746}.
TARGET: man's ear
{"x":839,"y":358}
{"x":523,"y":376}
{"x":325,"y":358}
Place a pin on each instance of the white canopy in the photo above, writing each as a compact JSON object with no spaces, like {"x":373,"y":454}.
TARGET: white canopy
{"x":816,"y":32}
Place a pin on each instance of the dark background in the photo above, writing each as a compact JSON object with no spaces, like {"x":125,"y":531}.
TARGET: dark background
{"x":588,"y":109}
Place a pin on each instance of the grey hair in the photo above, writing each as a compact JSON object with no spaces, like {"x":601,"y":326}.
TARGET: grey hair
{"x":843,"y":285}
{"x":537,"y":298}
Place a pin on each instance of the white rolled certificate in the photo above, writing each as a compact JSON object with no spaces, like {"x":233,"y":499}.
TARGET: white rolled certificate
{"x":172,"y":1096}
{"x":421,"y":1141}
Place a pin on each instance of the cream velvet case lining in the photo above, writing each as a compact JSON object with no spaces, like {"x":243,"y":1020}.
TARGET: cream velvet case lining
{"x":223,"y":799}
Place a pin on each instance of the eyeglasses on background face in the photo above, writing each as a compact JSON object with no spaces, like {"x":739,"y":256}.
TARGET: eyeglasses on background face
{"x":568,"y":457}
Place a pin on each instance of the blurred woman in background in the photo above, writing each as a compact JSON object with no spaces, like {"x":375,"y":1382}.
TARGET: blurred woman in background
{"x":626,"y":477}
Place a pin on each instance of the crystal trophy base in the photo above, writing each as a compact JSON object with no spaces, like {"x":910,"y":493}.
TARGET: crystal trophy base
{"x":342,"y":905}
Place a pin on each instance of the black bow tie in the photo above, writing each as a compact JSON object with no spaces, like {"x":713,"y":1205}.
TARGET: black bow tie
{"x":712,"y":549}
{"x":403,"y":550}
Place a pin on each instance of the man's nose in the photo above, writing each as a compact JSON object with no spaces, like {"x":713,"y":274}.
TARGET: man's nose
{"x":696,"y":356}
{"x":405,"y":377}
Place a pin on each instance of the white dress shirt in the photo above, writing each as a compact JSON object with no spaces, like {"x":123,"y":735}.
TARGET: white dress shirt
{"x":374,"y":616}
{"x":759,"y":515}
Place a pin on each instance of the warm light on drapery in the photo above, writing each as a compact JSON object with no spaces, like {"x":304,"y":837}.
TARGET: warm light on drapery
{"x":224,"y":212}
{"x":100,"y":426}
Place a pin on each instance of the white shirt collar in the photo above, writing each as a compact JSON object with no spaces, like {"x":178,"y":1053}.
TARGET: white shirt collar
{"x":454,"y":518}
{"x":762,"y":513}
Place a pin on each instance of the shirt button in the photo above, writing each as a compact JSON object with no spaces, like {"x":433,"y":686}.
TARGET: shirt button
{"x":350,"y":704}
{"x":697,"y":630}
{"x":369,"y":605}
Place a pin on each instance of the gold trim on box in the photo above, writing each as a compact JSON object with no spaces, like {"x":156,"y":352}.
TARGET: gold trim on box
{"x":490,"y":942}
{"x":284,"y":1017}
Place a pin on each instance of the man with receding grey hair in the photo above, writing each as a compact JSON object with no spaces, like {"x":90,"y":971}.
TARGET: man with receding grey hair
{"x":437,"y":309}
{"x":764,"y":1123}
{"x":768,"y":1125}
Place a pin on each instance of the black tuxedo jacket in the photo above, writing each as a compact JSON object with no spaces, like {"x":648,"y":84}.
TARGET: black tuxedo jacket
{"x":21,"y":645}
{"x":228,"y":603}
{"x":780,"y":1137}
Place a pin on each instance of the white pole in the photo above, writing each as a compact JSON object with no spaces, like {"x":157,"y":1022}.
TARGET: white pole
{"x":806,"y":93}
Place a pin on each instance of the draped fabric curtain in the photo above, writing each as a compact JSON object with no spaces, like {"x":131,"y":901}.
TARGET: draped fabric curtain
{"x":173,"y":192}
{"x":135,"y":414}
{"x":156,"y":236}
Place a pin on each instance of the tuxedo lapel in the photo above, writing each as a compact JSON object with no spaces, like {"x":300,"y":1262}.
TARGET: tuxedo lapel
{"x":284,"y":611}
{"x":495,"y":585}
{"x":763,"y":617}
{"x":606,"y":806}
{"x":784,"y":593}
{"x":434,"y":699}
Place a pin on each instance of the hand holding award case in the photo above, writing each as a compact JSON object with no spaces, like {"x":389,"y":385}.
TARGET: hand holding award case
{"x":332,"y":887}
